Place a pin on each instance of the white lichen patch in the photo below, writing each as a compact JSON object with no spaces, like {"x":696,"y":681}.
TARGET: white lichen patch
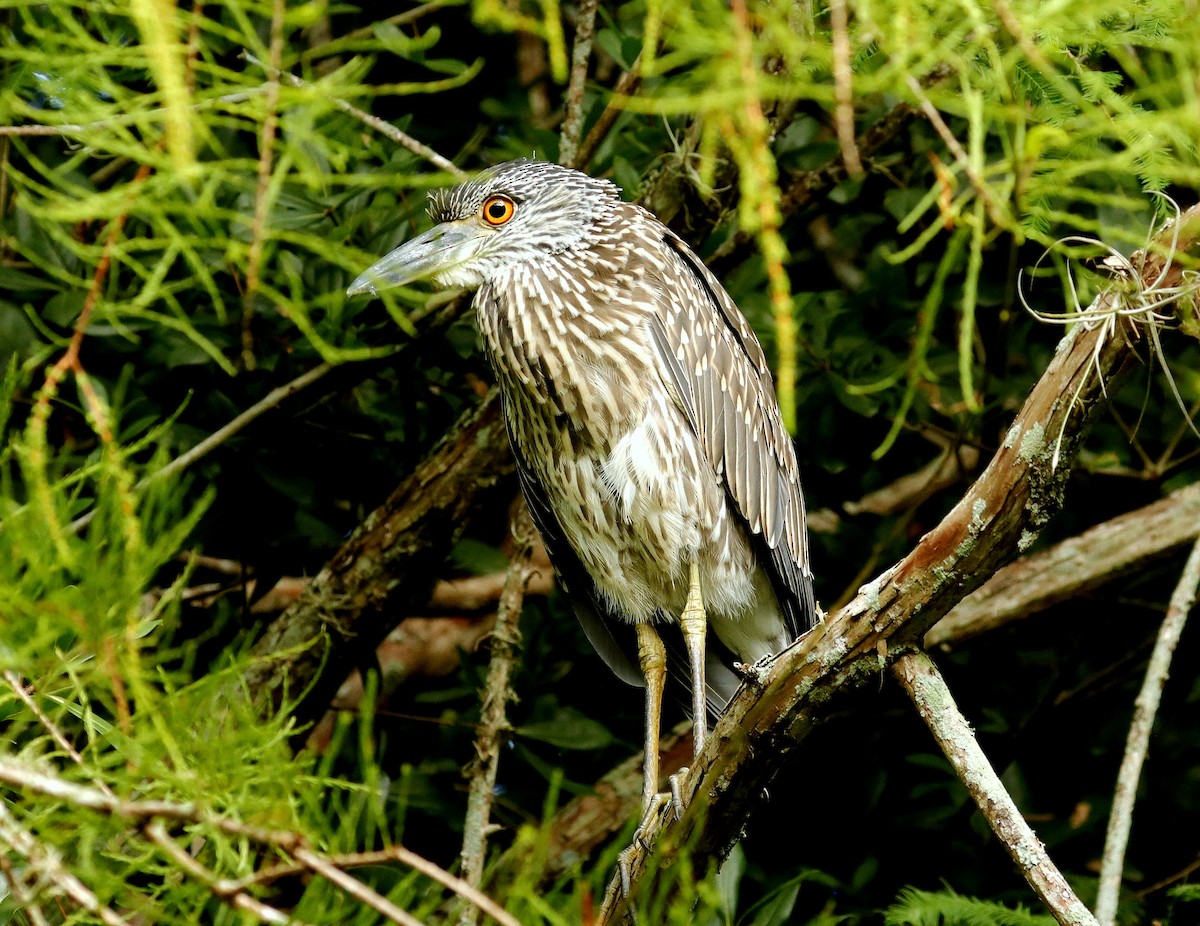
{"x":1033,"y":443}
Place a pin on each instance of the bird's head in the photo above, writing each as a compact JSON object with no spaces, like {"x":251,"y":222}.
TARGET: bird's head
{"x":516,"y":212}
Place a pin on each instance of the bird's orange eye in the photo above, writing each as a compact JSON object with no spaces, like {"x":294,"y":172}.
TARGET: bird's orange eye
{"x":498,"y":210}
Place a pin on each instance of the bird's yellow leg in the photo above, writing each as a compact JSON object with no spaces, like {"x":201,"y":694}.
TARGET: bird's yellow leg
{"x":652,"y":656}
{"x":694,"y":624}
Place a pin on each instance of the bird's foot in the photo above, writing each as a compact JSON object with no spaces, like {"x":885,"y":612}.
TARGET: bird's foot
{"x":657,"y":812}
{"x":677,"y":801}
{"x":644,"y":836}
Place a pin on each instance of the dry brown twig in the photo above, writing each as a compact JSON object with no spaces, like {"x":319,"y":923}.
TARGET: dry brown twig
{"x":843,"y":76}
{"x":493,"y":720}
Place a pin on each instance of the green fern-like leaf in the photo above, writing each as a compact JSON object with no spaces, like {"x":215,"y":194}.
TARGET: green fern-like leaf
{"x":946,"y":908}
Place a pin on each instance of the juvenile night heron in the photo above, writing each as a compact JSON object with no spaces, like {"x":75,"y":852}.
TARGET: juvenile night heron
{"x":642,"y":415}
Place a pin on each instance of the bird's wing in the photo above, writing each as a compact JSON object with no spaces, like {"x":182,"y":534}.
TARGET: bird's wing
{"x":718,"y":374}
{"x":614,"y":639}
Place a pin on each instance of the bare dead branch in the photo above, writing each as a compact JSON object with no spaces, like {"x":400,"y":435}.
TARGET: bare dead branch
{"x":388,"y":563}
{"x":581,"y":53}
{"x":493,"y":720}
{"x":914,"y":488}
{"x":1145,"y":708}
{"x":924,"y":684}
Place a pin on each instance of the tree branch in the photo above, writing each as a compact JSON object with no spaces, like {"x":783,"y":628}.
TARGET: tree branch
{"x":390,"y":561}
{"x":1075,"y":566}
{"x":924,"y":684}
{"x":581,"y":53}
{"x":493,"y":720}
{"x":1145,"y":708}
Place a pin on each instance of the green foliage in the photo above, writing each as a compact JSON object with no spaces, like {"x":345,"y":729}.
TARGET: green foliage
{"x":946,"y":908}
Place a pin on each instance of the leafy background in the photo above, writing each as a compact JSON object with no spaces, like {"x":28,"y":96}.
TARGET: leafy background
{"x":206,"y":219}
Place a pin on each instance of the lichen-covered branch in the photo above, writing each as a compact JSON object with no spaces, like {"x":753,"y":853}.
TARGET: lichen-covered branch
{"x":924,"y":684}
{"x":1075,"y":566}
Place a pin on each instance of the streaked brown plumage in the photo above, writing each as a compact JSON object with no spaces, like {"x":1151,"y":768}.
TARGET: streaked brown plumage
{"x":643,"y":418}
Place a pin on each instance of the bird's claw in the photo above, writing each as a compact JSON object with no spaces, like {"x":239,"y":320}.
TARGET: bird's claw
{"x":677,"y":801}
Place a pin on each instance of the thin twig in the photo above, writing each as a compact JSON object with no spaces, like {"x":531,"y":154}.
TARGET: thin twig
{"x":355,"y":888}
{"x":49,"y":867}
{"x":924,"y":684}
{"x":626,"y":86}
{"x":435,"y":873}
{"x":960,"y":155}
{"x":843,"y":88}
{"x":581,"y":53}
{"x":384,"y":128}
{"x":273,"y":398}
{"x":55,"y":733}
{"x":493,"y":721}
{"x":1145,"y":708}
{"x":225,"y":891}
{"x":376,"y":857}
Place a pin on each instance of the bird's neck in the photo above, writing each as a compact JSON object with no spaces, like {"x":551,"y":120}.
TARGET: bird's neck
{"x":561,"y":344}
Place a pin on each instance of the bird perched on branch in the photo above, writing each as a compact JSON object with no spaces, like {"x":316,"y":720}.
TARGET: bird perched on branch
{"x":643,"y":418}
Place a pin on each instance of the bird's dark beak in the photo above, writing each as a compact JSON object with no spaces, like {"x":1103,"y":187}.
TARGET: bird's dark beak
{"x":441,"y":248}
